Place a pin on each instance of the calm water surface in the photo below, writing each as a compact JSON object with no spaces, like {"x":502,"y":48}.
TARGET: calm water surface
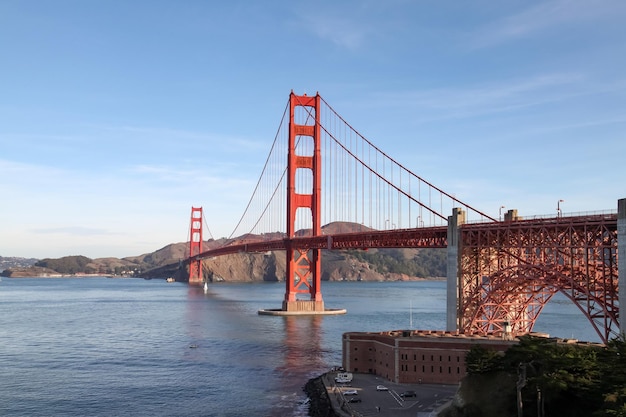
{"x":118,"y":347}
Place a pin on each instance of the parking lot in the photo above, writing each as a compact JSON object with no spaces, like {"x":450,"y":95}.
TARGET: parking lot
{"x":369,"y":395}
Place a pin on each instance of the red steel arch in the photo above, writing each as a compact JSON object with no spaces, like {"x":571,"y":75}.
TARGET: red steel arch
{"x":509,"y":271}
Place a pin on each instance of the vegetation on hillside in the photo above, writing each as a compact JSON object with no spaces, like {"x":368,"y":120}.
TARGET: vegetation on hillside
{"x":422,"y":263}
{"x":67,"y":264}
{"x":553,"y":379}
{"x":70,"y":265}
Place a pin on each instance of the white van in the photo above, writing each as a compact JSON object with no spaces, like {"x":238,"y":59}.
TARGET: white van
{"x":343,"y":377}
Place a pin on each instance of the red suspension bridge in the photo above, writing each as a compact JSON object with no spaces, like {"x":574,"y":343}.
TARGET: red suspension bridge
{"x":321,"y":171}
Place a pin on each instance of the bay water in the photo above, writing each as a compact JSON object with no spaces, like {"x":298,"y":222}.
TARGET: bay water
{"x":134,"y":347}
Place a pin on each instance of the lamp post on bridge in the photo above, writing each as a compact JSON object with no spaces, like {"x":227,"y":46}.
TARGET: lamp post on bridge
{"x":500,"y":213}
{"x":558,"y":207}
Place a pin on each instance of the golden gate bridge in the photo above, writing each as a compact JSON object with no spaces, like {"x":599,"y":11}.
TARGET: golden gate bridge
{"x":501,"y":272}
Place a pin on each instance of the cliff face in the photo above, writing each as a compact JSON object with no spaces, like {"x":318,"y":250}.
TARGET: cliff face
{"x":246,"y":267}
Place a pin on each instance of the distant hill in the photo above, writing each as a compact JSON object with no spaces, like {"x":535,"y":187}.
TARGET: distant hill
{"x":348,"y":265}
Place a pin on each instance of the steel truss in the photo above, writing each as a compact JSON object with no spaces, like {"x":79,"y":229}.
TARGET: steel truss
{"x":509,"y":270}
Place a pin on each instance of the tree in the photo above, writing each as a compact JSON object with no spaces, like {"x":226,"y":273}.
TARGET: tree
{"x":480,"y":360}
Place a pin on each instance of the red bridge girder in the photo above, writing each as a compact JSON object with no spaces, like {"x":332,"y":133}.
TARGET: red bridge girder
{"x":426,"y":237}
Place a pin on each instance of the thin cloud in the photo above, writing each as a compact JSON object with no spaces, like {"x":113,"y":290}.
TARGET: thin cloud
{"x":347,"y":29}
{"x":73,"y":231}
{"x":196,"y":177}
{"x":200,"y":140}
{"x":339,"y":31}
{"x":542,"y":17}
{"x":437,"y":104}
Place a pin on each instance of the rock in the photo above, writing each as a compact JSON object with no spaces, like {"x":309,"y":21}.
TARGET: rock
{"x":320,"y":405}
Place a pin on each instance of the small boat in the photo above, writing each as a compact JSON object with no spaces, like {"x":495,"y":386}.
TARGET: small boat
{"x":170,"y":279}
{"x":206,"y":287}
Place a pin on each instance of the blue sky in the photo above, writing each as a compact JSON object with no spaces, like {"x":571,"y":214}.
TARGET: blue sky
{"x":117,"y":116}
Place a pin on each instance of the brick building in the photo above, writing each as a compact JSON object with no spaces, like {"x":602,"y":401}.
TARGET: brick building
{"x":414,"y":356}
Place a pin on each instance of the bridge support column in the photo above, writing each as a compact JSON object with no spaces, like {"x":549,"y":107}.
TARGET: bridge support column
{"x":195,"y":247}
{"x":453,"y":267}
{"x":621,"y":263}
{"x":303,"y":264}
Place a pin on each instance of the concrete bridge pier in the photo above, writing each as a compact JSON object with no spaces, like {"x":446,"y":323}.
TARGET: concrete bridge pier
{"x":454,"y":237}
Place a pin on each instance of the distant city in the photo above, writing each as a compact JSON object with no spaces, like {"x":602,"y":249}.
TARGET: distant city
{"x":15,"y":262}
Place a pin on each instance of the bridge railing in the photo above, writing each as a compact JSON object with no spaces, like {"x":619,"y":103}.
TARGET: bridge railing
{"x":590,"y":214}
{"x":595,"y":213}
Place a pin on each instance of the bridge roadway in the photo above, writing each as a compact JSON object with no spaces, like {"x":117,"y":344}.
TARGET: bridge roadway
{"x":423,"y":237}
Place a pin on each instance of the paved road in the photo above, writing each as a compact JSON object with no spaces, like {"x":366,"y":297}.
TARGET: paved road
{"x":375,"y":402}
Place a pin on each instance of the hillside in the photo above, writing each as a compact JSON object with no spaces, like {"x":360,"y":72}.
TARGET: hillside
{"x":348,"y":265}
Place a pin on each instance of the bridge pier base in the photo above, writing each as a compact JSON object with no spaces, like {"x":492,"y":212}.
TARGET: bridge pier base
{"x":303,"y":305}
{"x":303,"y":308}
{"x":621,"y":263}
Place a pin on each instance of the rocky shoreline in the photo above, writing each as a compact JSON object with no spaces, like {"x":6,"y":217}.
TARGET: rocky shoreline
{"x":320,"y":405}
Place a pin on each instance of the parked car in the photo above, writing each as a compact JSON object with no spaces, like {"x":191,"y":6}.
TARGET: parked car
{"x":407,"y":394}
{"x":381,"y":388}
{"x":354,"y":400}
{"x":350,"y":392}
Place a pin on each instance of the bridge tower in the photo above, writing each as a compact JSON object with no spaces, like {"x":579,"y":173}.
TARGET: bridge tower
{"x":303,"y":265}
{"x":195,"y":246}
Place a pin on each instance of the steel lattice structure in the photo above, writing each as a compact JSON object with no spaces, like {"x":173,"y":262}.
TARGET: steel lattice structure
{"x":508,"y":272}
